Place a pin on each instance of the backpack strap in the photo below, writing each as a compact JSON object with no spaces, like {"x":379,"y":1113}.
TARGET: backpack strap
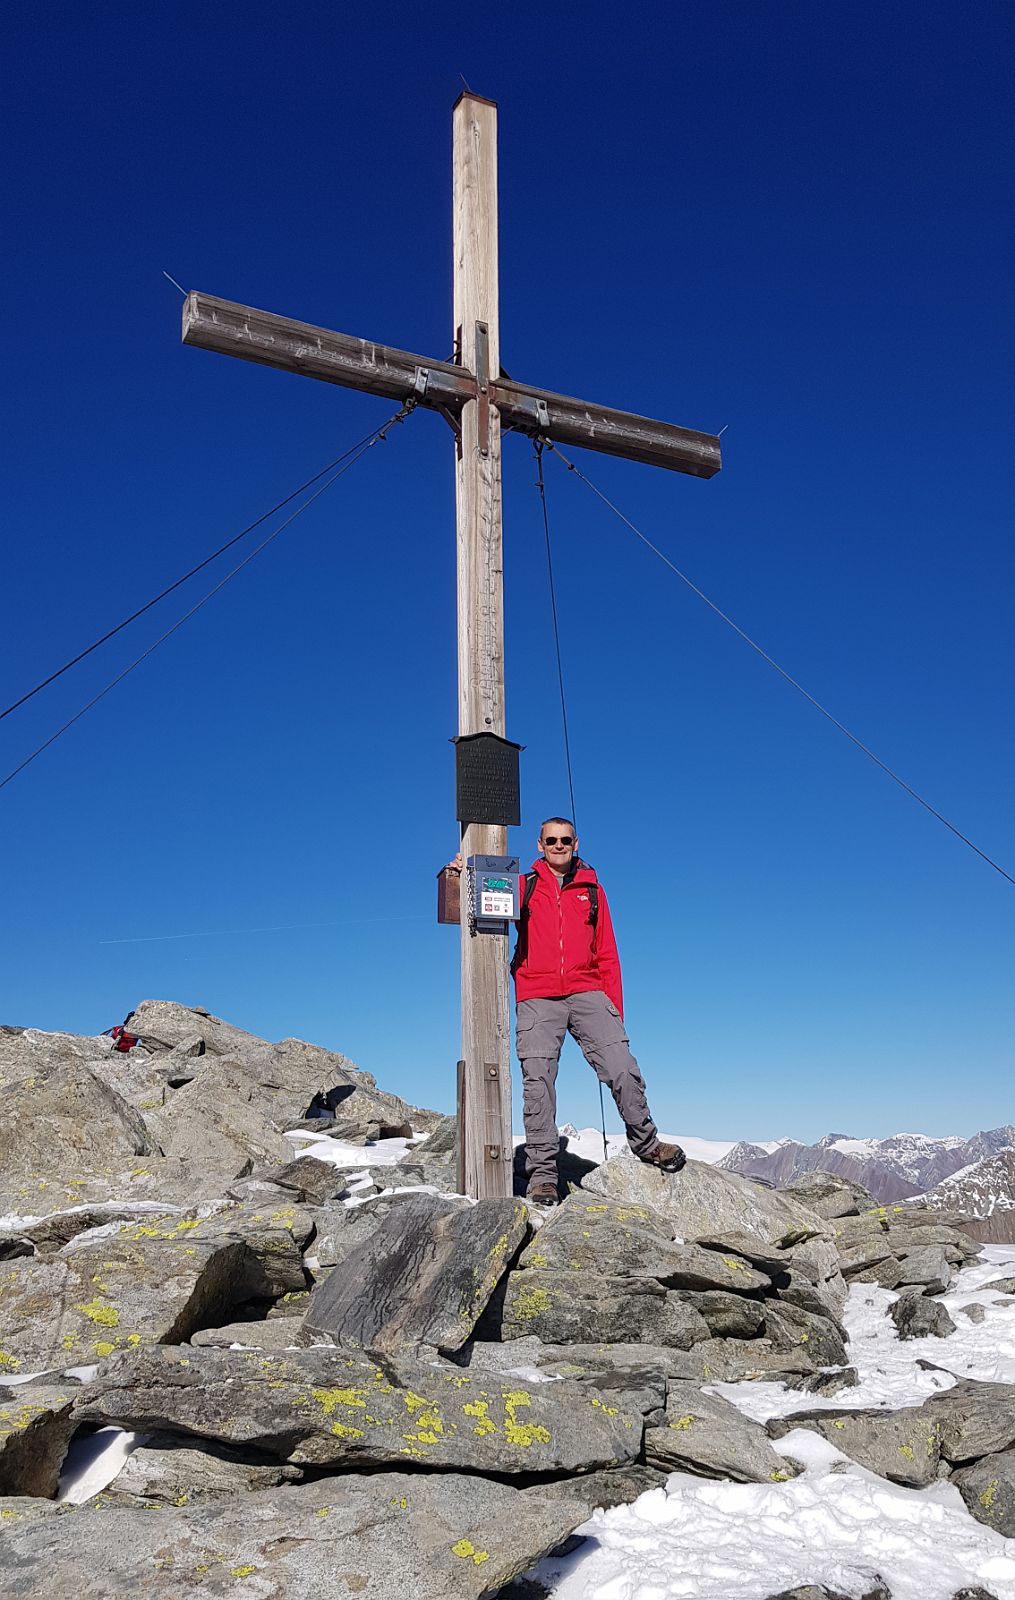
{"x":593,"y":904}
{"x":532,"y":878}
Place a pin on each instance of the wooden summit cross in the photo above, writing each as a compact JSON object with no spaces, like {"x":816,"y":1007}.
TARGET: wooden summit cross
{"x":479,"y":401}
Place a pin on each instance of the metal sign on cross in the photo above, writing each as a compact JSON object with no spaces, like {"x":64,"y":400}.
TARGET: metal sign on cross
{"x":480,"y":403}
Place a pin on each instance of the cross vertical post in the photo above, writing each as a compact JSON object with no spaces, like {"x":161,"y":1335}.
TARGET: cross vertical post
{"x":477,"y":399}
{"x":484,"y":1120}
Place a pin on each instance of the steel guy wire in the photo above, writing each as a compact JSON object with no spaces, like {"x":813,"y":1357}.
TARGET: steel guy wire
{"x":368,"y":438}
{"x":834,"y":720}
{"x":356,"y":454}
{"x":541,"y":487}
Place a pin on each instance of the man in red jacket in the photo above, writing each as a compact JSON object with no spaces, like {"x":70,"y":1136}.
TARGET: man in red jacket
{"x":567,"y":980}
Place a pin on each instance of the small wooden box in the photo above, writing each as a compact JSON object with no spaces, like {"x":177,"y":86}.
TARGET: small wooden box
{"x":449,"y":895}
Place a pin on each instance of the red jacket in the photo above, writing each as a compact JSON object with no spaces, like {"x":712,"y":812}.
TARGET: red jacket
{"x":558,"y":951}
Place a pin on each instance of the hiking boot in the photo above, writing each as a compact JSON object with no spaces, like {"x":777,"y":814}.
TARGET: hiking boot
{"x":543,"y":1194}
{"x":667,"y":1157}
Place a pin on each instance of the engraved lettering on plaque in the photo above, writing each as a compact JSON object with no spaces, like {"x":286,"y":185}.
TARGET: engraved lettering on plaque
{"x":486,"y":780}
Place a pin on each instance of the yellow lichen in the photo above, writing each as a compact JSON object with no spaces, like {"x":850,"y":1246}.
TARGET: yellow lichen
{"x":104,"y":1348}
{"x":611,"y":1411}
{"x":242,"y":1572}
{"x":907,"y":1451}
{"x":467,"y":1551}
{"x":530,"y":1303}
{"x":990,"y":1493}
{"x":484,"y":1423}
{"x":8,"y":1363}
{"x":683,"y":1422}
{"x":328,"y":1399}
{"x":343,"y":1432}
{"x":779,"y":1477}
{"x":538,"y":1261}
{"x":95,"y":1311}
{"x":325,"y":1511}
{"x":523,"y":1434}
{"x":401,"y":1504}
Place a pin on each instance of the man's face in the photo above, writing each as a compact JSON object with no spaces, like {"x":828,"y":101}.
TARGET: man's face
{"x":558,"y":844}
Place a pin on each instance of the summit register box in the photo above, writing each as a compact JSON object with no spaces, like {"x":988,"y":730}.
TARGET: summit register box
{"x":495,"y":892}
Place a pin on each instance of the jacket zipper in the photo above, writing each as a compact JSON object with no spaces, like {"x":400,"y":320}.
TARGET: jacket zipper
{"x":560,"y":924}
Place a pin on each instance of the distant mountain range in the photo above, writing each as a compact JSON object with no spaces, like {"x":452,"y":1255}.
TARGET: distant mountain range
{"x":896,"y":1168}
{"x":986,"y":1191}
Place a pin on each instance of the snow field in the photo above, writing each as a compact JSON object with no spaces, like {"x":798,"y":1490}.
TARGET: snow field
{"x":837,"y":1524}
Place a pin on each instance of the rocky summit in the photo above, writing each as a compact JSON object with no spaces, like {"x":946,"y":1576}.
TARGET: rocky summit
{"x":253,"y":1343}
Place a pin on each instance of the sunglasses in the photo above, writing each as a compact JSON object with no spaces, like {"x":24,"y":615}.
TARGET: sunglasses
{"x":565,"y":838}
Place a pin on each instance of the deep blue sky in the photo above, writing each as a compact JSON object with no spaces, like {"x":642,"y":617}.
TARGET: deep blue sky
{"x":789,"y":220}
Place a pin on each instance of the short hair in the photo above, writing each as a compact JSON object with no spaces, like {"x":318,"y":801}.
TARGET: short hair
{"x":565,"y":820}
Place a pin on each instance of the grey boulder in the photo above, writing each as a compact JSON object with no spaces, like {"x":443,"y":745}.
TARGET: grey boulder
{"x":866,"y":1253}
{"x":423,"y":1276}
{"x":918,"y":1317}
{"x":829,"y":1195}
{"x":310,"y":1179}
{"x":728,"y":1316}
{"x":586,"y":1308}
{"x":885,"y":1273}
{"x":988,"y":1488}
{"x":167,"y":1469}
{"x":337,"y":1408}
{"x":973,"y":1419}
{"x":384,"y":1536}
{"x":797,"y":1290}
{"x":706,"y":1435}
{"x":619,"y":1239}
{"x":59,"y":1121}
{"x":789,"y":1327}
{"x":223,"y":1115}
{"x":750,"y":1360}
{"x":287,"y":1074}
{"x":927,"y":1267}
{"x":273,"y":1333}
{"x":701,"y":1200}
{"x":115,"y":1294}
{"x":36,"y":1427}
{"x":903,"y":1445}
{"x":578,"y":1361}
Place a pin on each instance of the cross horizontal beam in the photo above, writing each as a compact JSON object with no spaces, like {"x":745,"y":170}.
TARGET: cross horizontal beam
{"x":273,"y":341}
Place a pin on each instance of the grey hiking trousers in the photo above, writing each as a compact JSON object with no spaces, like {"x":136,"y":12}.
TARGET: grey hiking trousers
{"x":599,"y":1029}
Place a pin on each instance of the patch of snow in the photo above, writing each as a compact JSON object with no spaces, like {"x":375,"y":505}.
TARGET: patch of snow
{"x":837,"y":1525}
{"x":887,"y":1365}
{"x":382,"y":1153}
{"x":587,"y":1143}
{"x":963,"y":1172}
{"x":93,"y":1461}
{"x":530,"y":1374}
{"x":855,"y":1147}
{"x":82,"y":1374}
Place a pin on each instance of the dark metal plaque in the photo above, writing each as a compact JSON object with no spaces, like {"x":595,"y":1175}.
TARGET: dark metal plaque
{"x":486,"y":780}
